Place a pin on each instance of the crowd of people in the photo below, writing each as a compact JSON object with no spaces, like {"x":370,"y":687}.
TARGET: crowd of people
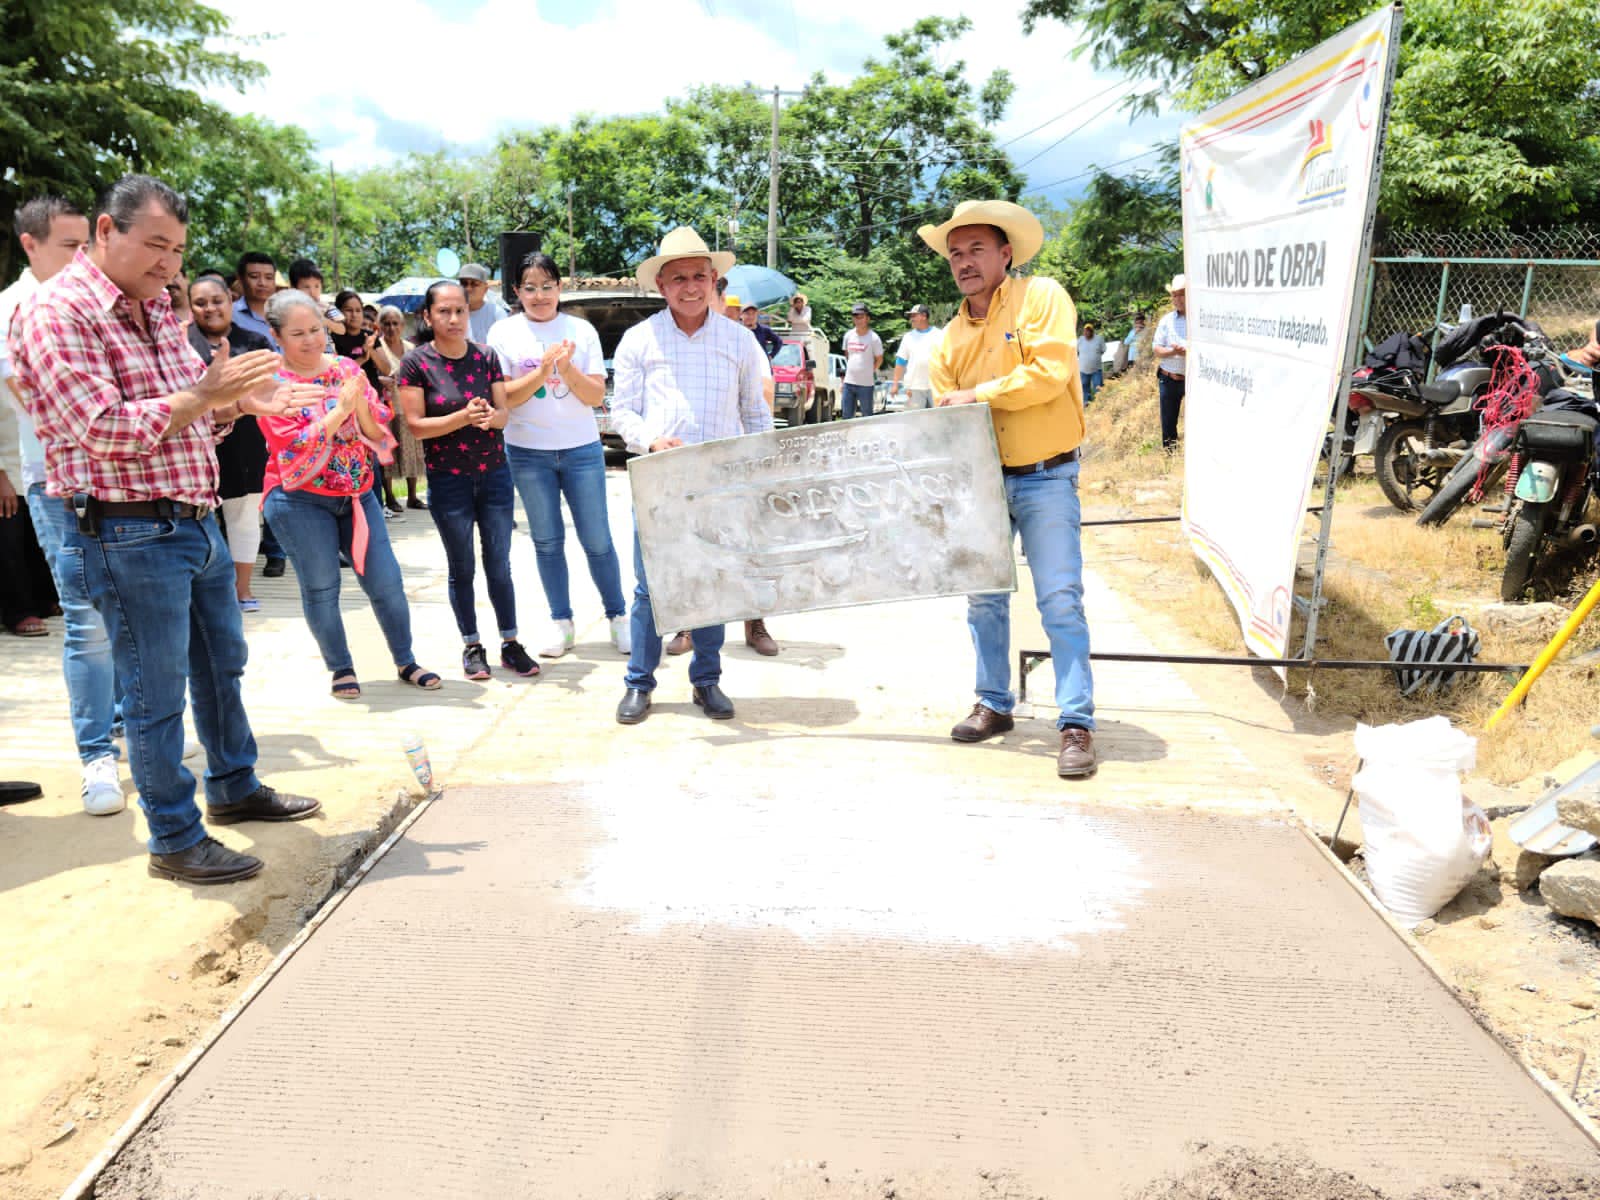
{"x":172,"y":429}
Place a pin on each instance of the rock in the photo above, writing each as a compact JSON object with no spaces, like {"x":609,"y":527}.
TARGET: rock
{"x":1424,"y":929}
{"x":172,"y":1041}
{"x":142,"y":1060}
{"x":1583,"y":1003}
{"x":1572,"y":888}
{"x":1522,"y":620}
{"x":1580,"y":808}
{"x":1518,"y":869}
{"x":1488,"y":922}
{"x":1143,"y":498}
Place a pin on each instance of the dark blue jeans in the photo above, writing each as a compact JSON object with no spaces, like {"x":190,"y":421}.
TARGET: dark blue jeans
{"x":165,"y":591}
{"x":706,"y":666}
{"x":1172,"y":390}
{"x":857,"y":400}
{"x":314,"y":530}
{"x":485,"y":499}
{"x":542,"y":478}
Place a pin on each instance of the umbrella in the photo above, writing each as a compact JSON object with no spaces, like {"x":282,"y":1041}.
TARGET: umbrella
{"x":760,"y":286}
{"x":406,"y":294}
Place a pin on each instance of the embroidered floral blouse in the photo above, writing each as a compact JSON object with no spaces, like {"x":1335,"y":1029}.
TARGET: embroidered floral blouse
{"x":303,"y":456}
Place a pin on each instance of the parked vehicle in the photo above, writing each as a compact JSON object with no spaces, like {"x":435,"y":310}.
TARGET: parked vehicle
{"x":1427,"y":428}
{"x":1552,"y":474}
{"x":612,"y":306}
{"x":804,"y":394}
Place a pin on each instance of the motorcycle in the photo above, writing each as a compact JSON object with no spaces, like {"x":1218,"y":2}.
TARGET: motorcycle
{"x":1523,"y":369}
{"x":1427,"y":429}
{"x":1552,"y":472}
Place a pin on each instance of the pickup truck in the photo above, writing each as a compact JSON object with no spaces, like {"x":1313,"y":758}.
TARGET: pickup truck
{"x":612,"y":306}
{"x":806,"y":390}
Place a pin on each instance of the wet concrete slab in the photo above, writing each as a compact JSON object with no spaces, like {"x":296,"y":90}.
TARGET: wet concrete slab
{"x":897,"y":507}
{"x":723,"y":984}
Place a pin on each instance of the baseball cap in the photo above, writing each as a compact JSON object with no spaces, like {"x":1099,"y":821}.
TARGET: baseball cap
{"x":474,"y":271}
{"x":731,"y":299}
{"x":860,"y":308}
{"x":917,"y":308}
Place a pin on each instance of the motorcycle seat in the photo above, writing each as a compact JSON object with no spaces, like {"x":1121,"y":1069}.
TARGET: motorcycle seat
{"x":1558,"y":431}
{"x":1562,"y":416}
{"x":1441,"y":394}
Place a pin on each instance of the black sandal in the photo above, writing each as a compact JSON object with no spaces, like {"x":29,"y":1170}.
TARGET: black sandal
{"x":417,"y":677}
{"x":346,"y":686}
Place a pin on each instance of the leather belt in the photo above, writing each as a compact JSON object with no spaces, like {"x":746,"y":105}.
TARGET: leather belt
{"x":1042,"y":465}
{"x":168,"y":510}
{"x":1169,"y":375}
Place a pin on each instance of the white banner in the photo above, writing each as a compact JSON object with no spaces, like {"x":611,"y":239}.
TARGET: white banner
{"x":1278,"y":188}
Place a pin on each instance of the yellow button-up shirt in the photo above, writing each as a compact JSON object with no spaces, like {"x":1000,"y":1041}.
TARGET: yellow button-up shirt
{"x":1022,"y":359}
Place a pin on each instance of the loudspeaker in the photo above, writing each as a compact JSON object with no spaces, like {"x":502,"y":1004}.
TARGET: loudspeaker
{"x":514,"y":247}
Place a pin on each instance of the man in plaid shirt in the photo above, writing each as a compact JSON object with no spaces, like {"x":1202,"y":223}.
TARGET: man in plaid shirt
{"x":683,"y":377}
{"x":128,"y":418}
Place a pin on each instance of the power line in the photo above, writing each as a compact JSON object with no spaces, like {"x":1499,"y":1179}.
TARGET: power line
{"x":1075,"y":129}
{"x":1096,"y":170}
{"x":1064,"y":112}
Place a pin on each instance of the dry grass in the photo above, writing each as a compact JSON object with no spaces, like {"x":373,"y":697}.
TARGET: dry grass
{"x":1384,"y":573}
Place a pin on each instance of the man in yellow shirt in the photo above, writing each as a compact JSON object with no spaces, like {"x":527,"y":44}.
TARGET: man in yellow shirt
{"x":1012,"y":346}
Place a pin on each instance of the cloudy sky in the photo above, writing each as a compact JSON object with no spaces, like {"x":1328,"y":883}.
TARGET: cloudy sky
{"x":373,"y":83}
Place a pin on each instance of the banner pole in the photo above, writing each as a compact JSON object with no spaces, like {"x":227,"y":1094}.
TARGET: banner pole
{"x":1353,"y":333}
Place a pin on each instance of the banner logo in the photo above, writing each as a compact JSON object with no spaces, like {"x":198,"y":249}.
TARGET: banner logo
{"x":1322,"y":176}
{"x":1321,"y":143}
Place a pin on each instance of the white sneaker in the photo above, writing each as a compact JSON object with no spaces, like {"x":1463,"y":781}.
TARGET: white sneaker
{"x":563,"y":637}
{"x":622,"y":634}
{"x":102,"y":790}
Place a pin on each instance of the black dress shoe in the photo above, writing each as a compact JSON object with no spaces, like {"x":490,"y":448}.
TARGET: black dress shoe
{"x":264,"y":804}
{"x":274,"y":568}
{"x":208,"y":861}
{"x":635,"y":707}
{"x":716,"y":703}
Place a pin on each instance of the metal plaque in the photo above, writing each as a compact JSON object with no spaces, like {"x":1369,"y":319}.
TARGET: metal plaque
{"x":898,"y":507}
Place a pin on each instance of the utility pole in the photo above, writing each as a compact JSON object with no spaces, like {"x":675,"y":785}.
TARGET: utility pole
{"x":466,"y":222}
{"x":333,"y":181}
{"x":572,"y":246}
{"x":772,"y":189}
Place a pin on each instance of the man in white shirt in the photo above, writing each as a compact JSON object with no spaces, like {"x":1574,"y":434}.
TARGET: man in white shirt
{"x":483,"y":310}
{"x":863,"y":355}
{"x":1171,"y":345}
{"x":1091,"y":361}
{"x":682,"y":378}
{"x":911,"y":359}
{"x":51,"y":230}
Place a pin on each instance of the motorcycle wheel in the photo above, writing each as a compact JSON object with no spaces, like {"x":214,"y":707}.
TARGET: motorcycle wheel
{"x":1406,"y":480}
{"x":1453,"y":491}
{"x":1522,"y":547}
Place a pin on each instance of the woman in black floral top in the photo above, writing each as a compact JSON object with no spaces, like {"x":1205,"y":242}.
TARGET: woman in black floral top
{"x":454,"y":398}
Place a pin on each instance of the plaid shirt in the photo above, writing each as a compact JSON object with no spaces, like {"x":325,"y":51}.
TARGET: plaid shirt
{"x":697,"y":387}
{"x":96,"y":384}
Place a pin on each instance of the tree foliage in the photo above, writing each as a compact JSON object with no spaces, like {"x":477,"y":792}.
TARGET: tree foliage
{"x":90,"y":89}
{"x":1496,"y":107}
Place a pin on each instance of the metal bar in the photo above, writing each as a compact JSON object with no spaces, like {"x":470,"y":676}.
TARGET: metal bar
{"x":1497,"y":262}
{"x":1438,"y":319}
{"x":1150,"y":520}
{"x":1366,"y":305}
{"x":1527,"y":291}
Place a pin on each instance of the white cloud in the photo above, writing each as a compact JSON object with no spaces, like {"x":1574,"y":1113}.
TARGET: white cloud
{"x":371,"y":85}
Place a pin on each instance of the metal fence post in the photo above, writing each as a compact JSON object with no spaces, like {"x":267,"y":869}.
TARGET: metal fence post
{"x":1438,"y":319}
{"x":1366,"y":304}
{"x":1527,"y":291}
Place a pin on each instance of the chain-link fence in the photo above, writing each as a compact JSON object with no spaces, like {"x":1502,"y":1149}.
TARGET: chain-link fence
{"x":1551,"y":275}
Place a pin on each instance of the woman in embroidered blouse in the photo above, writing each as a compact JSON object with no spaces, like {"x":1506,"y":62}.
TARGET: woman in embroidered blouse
{"x":319,"y":499}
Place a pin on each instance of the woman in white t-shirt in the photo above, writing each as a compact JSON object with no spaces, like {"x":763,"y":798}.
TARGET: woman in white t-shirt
{"x":555,"y":381}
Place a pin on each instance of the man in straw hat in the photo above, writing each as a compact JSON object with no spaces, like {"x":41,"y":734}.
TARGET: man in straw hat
{"x":1171,"y":345}
{"x":1011,"y":345}
{"x":683,"y":377}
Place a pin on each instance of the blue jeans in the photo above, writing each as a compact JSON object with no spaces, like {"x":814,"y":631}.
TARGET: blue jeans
{"x":86,"y":654}
{"x":1044,"y":509}
{"x":705,"y":668}
{"x":542,"y":478}
{"x":1091,"y":381}
{"x":165,"y":591}
{"x":487,"y":500}
{"x":857,"y":399}
{"x":314,"y":530}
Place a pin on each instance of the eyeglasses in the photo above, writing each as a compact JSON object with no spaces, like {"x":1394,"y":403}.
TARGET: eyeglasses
{"x":540,"y":289}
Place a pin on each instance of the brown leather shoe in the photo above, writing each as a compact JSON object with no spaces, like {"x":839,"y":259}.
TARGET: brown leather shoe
{"x":758,"y":639}
{"x":981,"y":723}
{"x":1076,"y":760}
{"x":264,"y":804}
{"x":681,"y":643}
{"x":207,"y":861}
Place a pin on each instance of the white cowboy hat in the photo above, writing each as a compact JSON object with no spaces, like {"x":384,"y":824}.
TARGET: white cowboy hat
{"x":682,"y":242}
{"x":1022,"y":228}
{"x":1180,"y":283}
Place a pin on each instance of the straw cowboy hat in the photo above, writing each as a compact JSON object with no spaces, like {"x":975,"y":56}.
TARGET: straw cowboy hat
{"x":1180,"y":283}
{"x":682,"y":242}
{"x":1022,"y":228}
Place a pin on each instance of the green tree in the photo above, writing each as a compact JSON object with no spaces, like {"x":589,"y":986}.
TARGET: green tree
{"x":1495,"y":109}
{"x":90,"y":89}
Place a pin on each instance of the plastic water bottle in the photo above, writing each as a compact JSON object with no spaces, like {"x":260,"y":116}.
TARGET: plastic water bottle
{"x":417,"y":755}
